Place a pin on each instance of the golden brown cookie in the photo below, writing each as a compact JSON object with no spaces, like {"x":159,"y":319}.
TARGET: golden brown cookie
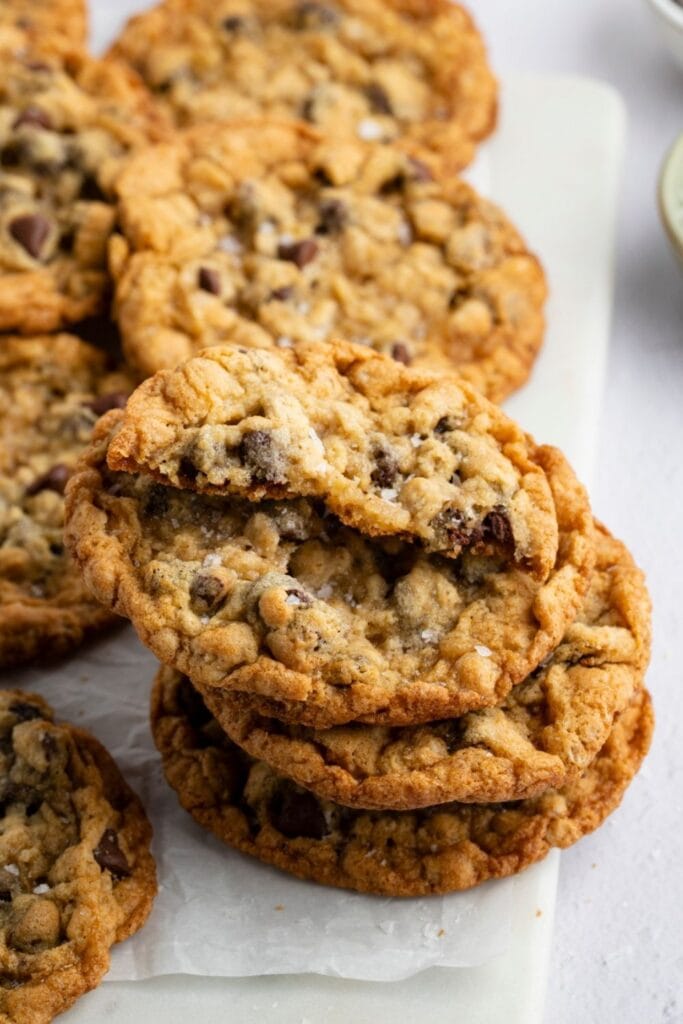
{"x":440,"y":849}
{"x":281,"y":600}
{"x":390,"y":450}
{"x":52,"y":390}
{"x":46,"y":21}
{"x":413,"y":70}
{"x":546,"y":732}
{"x":66,"y":122}
{"x":76,"y":872}
{"x":265,"y":233}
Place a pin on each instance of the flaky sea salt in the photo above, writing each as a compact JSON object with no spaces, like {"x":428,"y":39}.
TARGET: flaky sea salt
{"x":430,"y":636}
{"x":369,"y":131}
{"x":11,"y":869}
{"x":211,"y":561}
{"x":293,"y":600}
{"x":325,"y":591}
{"x":284,"y":342}
{"x":389,"y":493}
{"x":416,"y":440}
{"x":41,"y":889}
{"x":483,"y":651}
{"x":405,"y":233}
{"x":228,"y":243}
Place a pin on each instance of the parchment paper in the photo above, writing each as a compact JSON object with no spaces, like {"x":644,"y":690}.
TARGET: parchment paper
{"x":219,"y":913}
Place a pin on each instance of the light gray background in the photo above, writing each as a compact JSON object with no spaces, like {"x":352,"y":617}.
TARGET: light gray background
{"x":618,"y":951}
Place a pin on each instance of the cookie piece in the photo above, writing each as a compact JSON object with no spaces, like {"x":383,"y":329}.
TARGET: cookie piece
{"x":76,"y":872}
{"x":281,"y":600}
{"x":546,"y":732}
{"x":65,"y":125}
{"x":42,"y":20}
{"x":368,"y":69}
{"x":391,"y":450}
{"x":440,"y":849}
{"x":52,"y":390}
{"x":262,"y":233}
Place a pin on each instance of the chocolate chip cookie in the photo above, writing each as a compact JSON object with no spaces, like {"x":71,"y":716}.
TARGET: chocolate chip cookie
{"x":76,"y":872}
{"x":263,"y":233}
{"x":46,"y":21}
{"x":65,"y":125}
{"x":546,"y":732}
{"x":281,"y":600}
{"x":52,"y":390}
{"x":390,"y":450}
{"x":439,"y":849}
{"x":369,"y":69}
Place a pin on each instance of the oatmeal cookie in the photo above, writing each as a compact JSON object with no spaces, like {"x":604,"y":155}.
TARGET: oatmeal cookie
{"x":262,"y":233}
{"x":76,"y":872}
{"x":64,"y":21}
{"x":390,"y":450}
{"x":281,"y":600}
{"x":65,"y":125}
{"x":546,"y":732}
{"x":52,"y":390}
{"x":439,"y":849}
{"x":369,"y":69}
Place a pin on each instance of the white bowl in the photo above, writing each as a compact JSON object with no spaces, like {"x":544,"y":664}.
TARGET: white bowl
{"x":668,"y":16}
{"x":670,"y":196}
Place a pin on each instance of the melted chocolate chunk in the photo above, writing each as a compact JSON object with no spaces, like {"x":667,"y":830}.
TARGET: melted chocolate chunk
{"x":386,"y":468}
{"x":300,"y":253}
{"x":233,"y":23}
{"x":334,"y":216}
{"x":496,"y":527}
{"x":378,"y":99}
{"x":207,"y":592}
{"x":262,"y":457}
{"x":399,"y":352}
{"x":55,"y":480}
{"x":209,"y":280}
{"x":34,"y":117}
{"x":451,"y":524}
{"x":103,"y":403}
{"x":282,"y":294}
{"x":297,"y":814}
{"x":419,"y":170}
{"x":110,"y":856}
{"x":91,"y":191}
{"x":25,"y":712}
{"x":31,"y":232}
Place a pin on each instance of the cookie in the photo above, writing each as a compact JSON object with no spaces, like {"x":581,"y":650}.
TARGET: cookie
{"x":41,"y":21}
{"x":52,"y":390}
{"x":65,"y":125}
{"x":76,"y":872}
{"x":390,"y":450}
{"x":281,"y":600}
{"x":262,"y":233}
{"x":368,"y":69}
{"x":440,"y":849}
{"x":546,"y":732}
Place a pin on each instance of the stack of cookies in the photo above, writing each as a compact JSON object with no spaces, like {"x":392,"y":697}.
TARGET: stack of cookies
{"x":398,"y":654}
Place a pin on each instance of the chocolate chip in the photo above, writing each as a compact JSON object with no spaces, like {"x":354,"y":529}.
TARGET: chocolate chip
{"x":31,"y":232}
{"x":209,"y":280}
{"x":282,"y":294}
{"x":90,"y":190}
{"x":419,"y":170}
{"x":300,"y":253}
{"x":55,"y":480}
{"x":496,"y":526}
{"x":444,"y":426}
{"x":378,"y":99}
{"x":386,"y":467}
{"x":110,"y":856}
{"x":207,"y":592}
{"x":310,"y":15}
{"x":233,"y":24}
{"x":262,"y":457}
{"x":297,"y":814}
{"x":399,"y":352}
{"x":111,"y":400}
{"x":34,"y":117}
{"x":334,"y":216}
{"x":450,"y":526}
{"x":25,"y":712}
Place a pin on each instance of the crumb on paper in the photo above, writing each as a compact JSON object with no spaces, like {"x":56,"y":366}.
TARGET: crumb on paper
{"x":279,"y":906}
{"x":441,"y":933}
{"x":539,"y":912}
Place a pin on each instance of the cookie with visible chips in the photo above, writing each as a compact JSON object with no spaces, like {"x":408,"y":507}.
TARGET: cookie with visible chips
{"x":439,"y":849}
{"x":76,"y":872}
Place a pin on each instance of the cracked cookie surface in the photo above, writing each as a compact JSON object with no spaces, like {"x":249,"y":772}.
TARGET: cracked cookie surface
{"x":440,"y":849}
{"x":52,"y":390}
{"x":65,"y":125}
{"x":390,"y":450}
{"x":76,"y":872}
{"x":547,"y":731}
{"x":266,"y":234}
{"x":281,"y":600}
{"x":372,"y":69}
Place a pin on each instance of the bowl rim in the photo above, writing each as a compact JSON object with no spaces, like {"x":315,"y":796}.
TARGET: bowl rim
{"x":670,"y":11}
{"x":674,"y":155}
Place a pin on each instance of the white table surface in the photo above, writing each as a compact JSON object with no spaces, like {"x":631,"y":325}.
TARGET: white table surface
{"x":618,"y":951}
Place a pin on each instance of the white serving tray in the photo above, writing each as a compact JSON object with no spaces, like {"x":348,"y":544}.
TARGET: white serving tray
{"x":554,"y":166}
